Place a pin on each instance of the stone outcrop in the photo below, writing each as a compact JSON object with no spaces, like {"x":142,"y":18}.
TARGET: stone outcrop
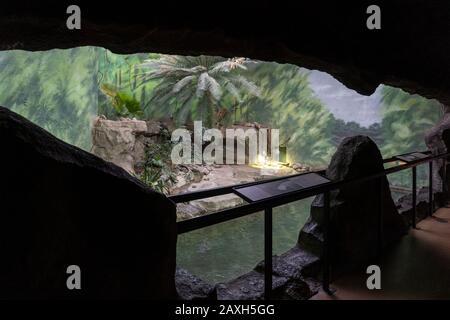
{"x":123,"y":142}
{"x":61,"y":206}
{"x":437,"y":140}
{"x":354,"y":208}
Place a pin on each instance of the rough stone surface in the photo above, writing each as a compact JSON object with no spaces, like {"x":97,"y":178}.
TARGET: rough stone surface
{"x":294,"y":262}
{"x":123,"y":142}
{"x":62,"y":206}
{"x":218,"y":203}
{"x":354,"y":208}
{"x":250,"y":286}
{"x":294,"y":277}
{"x":189,"y":287}
{"x":333,"y":36}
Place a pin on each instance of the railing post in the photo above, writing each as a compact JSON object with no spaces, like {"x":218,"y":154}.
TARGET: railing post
{"x":380,"y":220}
{"x":267,"y":253}
{"x":414,"y":194}
{"x":326,"y":243}
{"x":430,"y":189}
{"x":444,"y":173}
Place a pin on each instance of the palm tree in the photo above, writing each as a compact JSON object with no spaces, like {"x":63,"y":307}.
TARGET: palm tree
{"x":197,"y":85}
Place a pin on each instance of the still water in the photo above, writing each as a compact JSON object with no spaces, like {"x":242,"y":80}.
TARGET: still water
{"x":224,"y":251}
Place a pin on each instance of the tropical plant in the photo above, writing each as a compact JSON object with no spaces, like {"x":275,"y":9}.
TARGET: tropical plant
{"x":157,"y":170}
{"x":196,"y":86}
{"x":120,"y":73}
{"x":124,"y":105}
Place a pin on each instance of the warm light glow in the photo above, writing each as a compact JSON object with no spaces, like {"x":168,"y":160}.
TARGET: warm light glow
{"x":263,"y":162}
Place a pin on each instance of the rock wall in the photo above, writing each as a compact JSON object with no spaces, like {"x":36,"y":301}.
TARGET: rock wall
{"x":62,"y":206}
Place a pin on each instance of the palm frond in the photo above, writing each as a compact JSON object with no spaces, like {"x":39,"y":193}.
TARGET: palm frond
{"x":230,"y":65}
{"x":206,"y":83}
{"x":183,"y":83}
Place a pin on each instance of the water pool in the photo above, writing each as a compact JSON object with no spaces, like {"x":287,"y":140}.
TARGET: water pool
{"x":224,"y":251}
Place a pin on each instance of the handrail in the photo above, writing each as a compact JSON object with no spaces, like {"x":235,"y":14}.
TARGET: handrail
{"x":213,"y":192}
{"x":249,"y":208}
{"x":268,"y":204}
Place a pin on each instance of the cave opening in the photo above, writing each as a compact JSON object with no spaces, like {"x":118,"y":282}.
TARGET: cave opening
{"x":173,"y":65}
{"x":125,"y":109}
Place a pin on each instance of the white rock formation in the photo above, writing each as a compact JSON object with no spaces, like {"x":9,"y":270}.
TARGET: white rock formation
{"x":122,"y":142}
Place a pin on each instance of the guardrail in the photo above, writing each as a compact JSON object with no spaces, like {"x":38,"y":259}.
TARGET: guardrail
{"x":268,"y":204}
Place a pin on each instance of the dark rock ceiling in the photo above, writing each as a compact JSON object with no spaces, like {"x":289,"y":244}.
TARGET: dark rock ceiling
{"x":411,"y":51}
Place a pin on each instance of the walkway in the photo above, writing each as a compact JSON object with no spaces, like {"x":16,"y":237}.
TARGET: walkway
{"x":418,"y":267}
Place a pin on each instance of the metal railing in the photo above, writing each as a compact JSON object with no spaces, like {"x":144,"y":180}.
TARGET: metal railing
{"x":268,"y":204}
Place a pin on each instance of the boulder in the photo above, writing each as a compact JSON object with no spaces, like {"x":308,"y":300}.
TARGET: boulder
{"x":250,"y":286}
{"x":294,"y":277}
{"x":437,"y":140}
{"x":62,"y":206}
{"x":123,"y":142}
{"x":354,"y":208}
{"x":190,"y":287}
{"x":293,"y":263}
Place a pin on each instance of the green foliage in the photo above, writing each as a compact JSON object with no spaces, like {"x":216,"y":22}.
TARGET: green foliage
{"x":157,"y":169}
{"x":342,"y":129}
{"x":195,"y":87}
{"x":55,"y":89}
{"x":119,"y":74}
{"x":288,"y":103}
{"x":405,"y":119}
{"x":127,"y":104}
{"x":63,"y":90}
{"x":124,"y":105}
